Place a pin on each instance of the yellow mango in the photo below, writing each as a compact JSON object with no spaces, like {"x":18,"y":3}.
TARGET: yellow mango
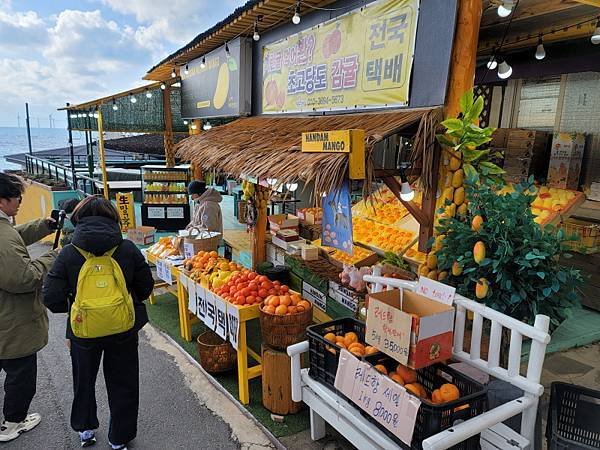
{"x":449,"y":193}
{"x":477,"y":223}
{"x":457,"y":178}
{"x":454,"y":163}
{"x":459,"y":195}
{"x":222,"y":88}
{"x":481,"y":288}
{"x":423,"y":270}
{"x":479,"y":252}
{"x":439,"y":242}
{"x":442,"y":275}
{"x":462,"y":210}
{"x":451,"y":210}
{"x":456,"y":269}
{"x":432,"y":261}
{"x":432,"y":275}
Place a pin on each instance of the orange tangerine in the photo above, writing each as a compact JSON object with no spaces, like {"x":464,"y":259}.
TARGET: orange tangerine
{"x":330,"y":337}
{"x":281,"y":310}
{"x":381,"y":368}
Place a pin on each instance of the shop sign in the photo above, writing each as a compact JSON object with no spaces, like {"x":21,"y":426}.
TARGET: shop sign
{"x":233,"y":325}
{"x":344,"y":296}
{"x":335,"y":141}
{"x":337,"y":219}
{"x":126,"y":210}
{"x":222,"y":88}
{"x":221,"y":310}
{"x":315,"y":296}
{"x":382,"y":398}
{"x":202,"y":306}
{"x":388,"y":329}
{"x":435,"y":290}
{"x":362,"y":59}
{"x":163,"y":271}
{"x":211,"y":310}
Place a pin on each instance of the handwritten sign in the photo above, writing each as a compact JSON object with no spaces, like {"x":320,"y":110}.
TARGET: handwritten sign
{"x":388,"y":329}
{"x":163,"y":271}
{"x":211,"y":310}
{"x":233,"y":325}
{"x":221,"y":311}
{"x":435,"y":290}
{"x":315,"y":296}
{"x":202,"y":308}
{"x":188,"y":250}
{"x":125,"y":206}
{"x":379,"y":396}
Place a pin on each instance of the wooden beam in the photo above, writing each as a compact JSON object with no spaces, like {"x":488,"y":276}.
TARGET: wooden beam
{"x":595,"y":3}
{"x":102,"y":155}
{"x":168,"y":119}
{"x":413,"y":209}
{"x":527,"y":10}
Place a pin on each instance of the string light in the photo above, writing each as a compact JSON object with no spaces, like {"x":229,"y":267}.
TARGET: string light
{"x":226,"y":48}
{"x":132,"y":98}
{"x":492,"y":63}
{"x":173,"y":74}
{"x":193,"y":126}
{"x":540,"y":52}
{"x":504,"y":69}
{"x":596,"y":36}
{"x":185,"y":122}
{"x":207,"y":126}
{"x":114,"y":105}
{"x":163,"y":86}
{"x":203,"y":63}
{"x":296,"y":17}
{"x":96,"y":115}
{"x":406,"y":192}
{"x":506,"y":8}
{"x":148,"y":93}
{"x":186,"y":70}
{"x":256,"y":36}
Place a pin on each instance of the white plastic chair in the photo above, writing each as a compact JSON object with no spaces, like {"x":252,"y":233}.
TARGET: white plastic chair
{"x":326,"y":405}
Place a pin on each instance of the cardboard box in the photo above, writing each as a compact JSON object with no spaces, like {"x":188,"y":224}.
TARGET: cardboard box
{"x":288,"y":235}
{"x":142,"y":235}
{"x":432,"y":326}
{"x":565,"y":160}
{"x":283,"y":244}
{"x":310,"y":216}
{"x":282,"y":222}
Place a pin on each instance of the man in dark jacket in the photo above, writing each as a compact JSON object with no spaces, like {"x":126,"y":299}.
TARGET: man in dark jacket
{"x":97,"y":231}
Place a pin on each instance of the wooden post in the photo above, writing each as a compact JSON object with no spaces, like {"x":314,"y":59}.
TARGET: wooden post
{"x":102,"y":156}
{"x":168,"y":134}
{"x":258,"y":238}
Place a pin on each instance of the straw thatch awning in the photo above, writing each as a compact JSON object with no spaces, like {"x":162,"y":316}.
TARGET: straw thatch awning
{"x":269,"y":147}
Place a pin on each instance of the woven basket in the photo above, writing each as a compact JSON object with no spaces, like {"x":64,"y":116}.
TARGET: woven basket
{"x":279,"y":332}
{"x":215,"y":354}
{"x":201,"y":242}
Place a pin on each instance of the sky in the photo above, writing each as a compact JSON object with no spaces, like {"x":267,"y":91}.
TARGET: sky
{"x":53,"y":52}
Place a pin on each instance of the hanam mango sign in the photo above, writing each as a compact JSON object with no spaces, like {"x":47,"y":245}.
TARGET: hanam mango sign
{"x":362,"y":59}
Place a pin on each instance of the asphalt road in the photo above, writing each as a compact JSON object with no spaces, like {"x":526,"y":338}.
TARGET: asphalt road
{"x":179,"y":408}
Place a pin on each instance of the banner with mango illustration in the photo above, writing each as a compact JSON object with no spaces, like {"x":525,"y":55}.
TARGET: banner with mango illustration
{"x":362,"y":59}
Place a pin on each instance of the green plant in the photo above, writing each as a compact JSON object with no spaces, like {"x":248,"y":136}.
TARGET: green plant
{"x":463,"y":136}
{"x":521,"y":262}
{"x":395,"y":260}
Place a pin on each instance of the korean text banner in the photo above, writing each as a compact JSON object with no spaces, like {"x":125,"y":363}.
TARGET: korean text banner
{"x":362,"y":59}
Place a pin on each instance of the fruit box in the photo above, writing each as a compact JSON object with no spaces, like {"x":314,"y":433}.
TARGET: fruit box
{"x":141,"y":235}
{"x":432,"y":326}
{"x":310,"y":216}
{"x":282,"y":221}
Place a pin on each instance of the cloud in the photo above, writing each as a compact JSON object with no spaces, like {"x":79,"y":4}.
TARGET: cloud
{"x":19,"y":30}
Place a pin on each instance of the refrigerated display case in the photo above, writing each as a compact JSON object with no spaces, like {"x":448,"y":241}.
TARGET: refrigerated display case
{"x":165,"y":201}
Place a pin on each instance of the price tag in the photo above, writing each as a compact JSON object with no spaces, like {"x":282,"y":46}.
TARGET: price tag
{"x":344,"y":296}
{"x":163,"y":271}
{"x":156,"y":212}
{"x":315,"y":296}
{"x":233,"y":324}
{"x":388,"y":329}
{"x":175,"y":213}
{"x":188,"y":250}
{"x":221,"y":309}
{"x":192,"y":299}
{"x":435,"y":290}
{"x":200,"y":295}
{"x":211,"y":310}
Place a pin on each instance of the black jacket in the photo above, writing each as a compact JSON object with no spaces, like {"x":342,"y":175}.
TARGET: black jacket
{"x":98,"y":235}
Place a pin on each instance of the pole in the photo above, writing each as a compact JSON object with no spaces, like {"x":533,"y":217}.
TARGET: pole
{"x":71,"y":151}
{"x":28,"y":129}
{"x":102,"y":159}
{"x":168,"y":119}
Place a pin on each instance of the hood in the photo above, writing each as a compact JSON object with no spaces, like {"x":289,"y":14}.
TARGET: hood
{"x":97,"y":235}
{"x":210,"y":195}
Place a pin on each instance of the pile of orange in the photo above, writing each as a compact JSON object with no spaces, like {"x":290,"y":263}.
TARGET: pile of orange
{"x":282,"y":305}
{"x":248,"y":288}
{"x":384,"y":237}
{"x":350,"y":342}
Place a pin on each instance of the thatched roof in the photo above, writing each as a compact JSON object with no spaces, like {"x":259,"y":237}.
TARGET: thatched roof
{"x":269,"y":147}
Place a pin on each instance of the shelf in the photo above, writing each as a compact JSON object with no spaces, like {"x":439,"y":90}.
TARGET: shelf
{"x":166,"y":192}
{"x":165,"y":204}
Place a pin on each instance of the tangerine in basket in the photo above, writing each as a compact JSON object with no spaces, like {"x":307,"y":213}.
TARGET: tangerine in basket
{"x":292,"y":309}
{"x":269,"y":309}
{"x":281,"y":310}
{"x":369,"y":350}
{"x":330,"y":337}
{"x":449,"y":392}
{"x":407,"y":374}
{"x":275,"y":301}
{"x":416,"y":389}
{"x":304,"y":303}
{"x":299,"y":308}
{"x":397,"y":378}
{"x":381,"y":368}
{"x":436,"y":396}
{"x":295,"y":299}
{"x":357,"y":351}
{"x":351,"y":336}
{"x":285,"y":300}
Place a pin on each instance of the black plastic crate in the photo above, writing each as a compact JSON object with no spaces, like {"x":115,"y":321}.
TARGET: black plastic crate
{"x":573,"y":418}
{"x":433,"y":418}
{"x":325,"y":356}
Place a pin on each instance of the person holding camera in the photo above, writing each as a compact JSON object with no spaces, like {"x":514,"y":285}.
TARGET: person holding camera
{"x":23,"y":319}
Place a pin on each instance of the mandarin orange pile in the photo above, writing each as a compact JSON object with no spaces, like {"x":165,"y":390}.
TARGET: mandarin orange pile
{"x":384,"y":207}
{"x":386,"y":238}
{"x":282,"y":305}
{"x":249,"y":288}
{"x":358,"y":254}
{"x":350,"y":342}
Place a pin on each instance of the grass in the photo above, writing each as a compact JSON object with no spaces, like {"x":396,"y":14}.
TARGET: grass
{"x":164,"y":315}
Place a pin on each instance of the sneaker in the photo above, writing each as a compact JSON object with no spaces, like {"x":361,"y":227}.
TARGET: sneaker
{"x":12,"y":430}
{"x":118,"y":447}
{"x":88,"y":438}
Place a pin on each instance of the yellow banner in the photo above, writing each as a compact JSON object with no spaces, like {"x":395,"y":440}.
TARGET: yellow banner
{"x":125,"y":206}
{"x":362,"y":59}
{"x":336,"y":141}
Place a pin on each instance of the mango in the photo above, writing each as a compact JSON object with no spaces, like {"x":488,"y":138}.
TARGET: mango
{"x":432,"y":261}
{"x":457,"y":178}
{"x":462,"y":210}
{"x":423,"y":270}
{"x":222,"y":88}
{"x":454,"y":163}
{"x":450,"y":210}
{"x":449,"y":193}
{"x":439,"y":242}
{"x":432,"y":275}
{"x":479,"y":252}
{"x":456,"y":269}
{"x":481,"y":288}
{"x":459,"y":195}
{"x":476,"y":223}
{"x":442,"y":275}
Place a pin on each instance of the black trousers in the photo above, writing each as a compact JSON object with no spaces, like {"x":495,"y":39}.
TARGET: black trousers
{"x":121,"y":374}
{"x":19,"y":386}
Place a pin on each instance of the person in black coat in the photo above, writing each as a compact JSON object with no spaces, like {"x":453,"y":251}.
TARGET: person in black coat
{"x":97,"y":230}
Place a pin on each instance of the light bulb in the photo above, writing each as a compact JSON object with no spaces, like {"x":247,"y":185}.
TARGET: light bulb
{"x":406,"y":192}
{"x":291,"y":186}
{"x":505,"y":8}
{"x":504,"y":70}
{"x":596,"y":36}
{"x":90,"y":115}
{"x":163,"y":86}
{"x":296,"y":19}
{"x":95,"y":115}
{"x":73,"y":116}
{"x":207,"y":126}
{"x":492,"y":63}
{"x":203,"y":63}
{"x":173,"y":74}
{"x":185,"y":122}
{"x":193,"y":126}
{"x":540,"y":52}
{"x":256,"y":36}
{"x":148,"y":94}
{"x":133,"y":99}
{"x":186,"y":70}
{"x":271,"y":181}
{"x":115,"y":107}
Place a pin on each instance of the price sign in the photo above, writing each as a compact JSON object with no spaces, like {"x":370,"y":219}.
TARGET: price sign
{"x":344,"y":296}
{"x":221,"y":312}
{"x":188,"y":250}
{"x":315,"y":296}
{"x":211,"y":310}
{"x":388,"y":329}
{"x":380,"y":397}
{"x":233,"y":324}
{"x":175,"y":213}
{"x":435,"y":290}
{"x":163,"y":271}
{"x":156,"y":212}
{"x":202,"y":307}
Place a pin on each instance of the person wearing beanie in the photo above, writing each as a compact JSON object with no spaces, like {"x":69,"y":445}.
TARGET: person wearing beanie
{"x":207,"y":211}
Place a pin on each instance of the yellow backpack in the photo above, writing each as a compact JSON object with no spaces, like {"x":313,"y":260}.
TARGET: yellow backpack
{"x":103,"y":305}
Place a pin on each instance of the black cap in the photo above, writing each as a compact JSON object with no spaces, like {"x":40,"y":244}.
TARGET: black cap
{"x":197,"y":187}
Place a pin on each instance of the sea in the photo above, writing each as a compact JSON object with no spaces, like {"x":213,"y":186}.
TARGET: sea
{"x":14,"y":140}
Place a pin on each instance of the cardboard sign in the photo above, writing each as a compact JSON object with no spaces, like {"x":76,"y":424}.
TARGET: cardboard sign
{"x":221,"y":310}
{"x":344,"y":296}
{"x":211,"y":310}
{"x":315,"y":296}
{"x":388,"y":329}
{"x":188,"y":250}
{"x":380,"y":397}
{"x":163,"y":271}
{"x":435,"y":290}
{"x":233,"y":325}
{"x":202,"y":309}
